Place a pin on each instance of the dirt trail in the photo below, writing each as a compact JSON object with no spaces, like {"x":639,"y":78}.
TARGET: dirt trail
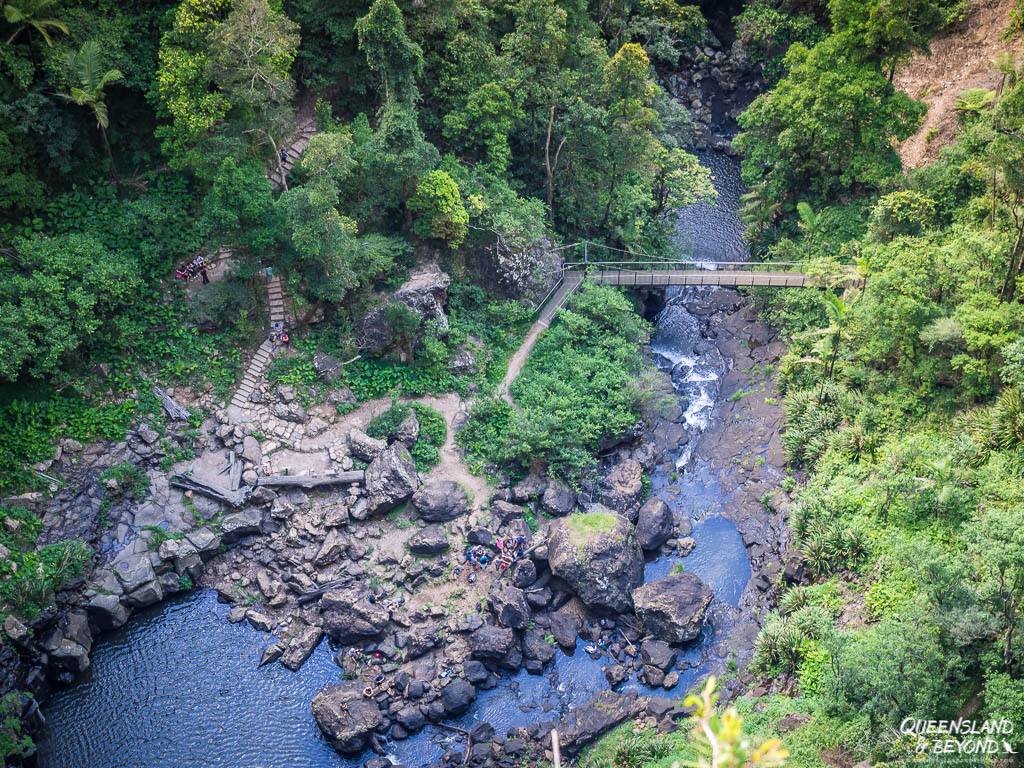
{"x":518,"y":360}
{"x":451,"y":466}
{"x":961,"y":59}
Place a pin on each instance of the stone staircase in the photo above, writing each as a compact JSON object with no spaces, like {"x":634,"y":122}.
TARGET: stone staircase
{"x":275,"y":294}
{"x":294,"y":150}
{"x":261,"y":360}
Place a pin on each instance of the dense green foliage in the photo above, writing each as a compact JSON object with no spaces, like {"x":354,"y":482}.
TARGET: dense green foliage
{"x":433,"y":430}
{"x":583,"y":383}
{"x":29,"y":577}
{"x":903,"y":393}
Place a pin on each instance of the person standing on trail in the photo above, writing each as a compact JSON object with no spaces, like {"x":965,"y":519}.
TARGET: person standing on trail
{"x":284,"y":156}
{"x":206,"y":277}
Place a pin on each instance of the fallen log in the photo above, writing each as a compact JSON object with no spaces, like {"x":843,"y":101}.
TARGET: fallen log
{"x":229,"y":497}
{"x":312,"y":481}
{"x":308,"y":597}
{"x":175,"y":411}
{"x":236,"y":474}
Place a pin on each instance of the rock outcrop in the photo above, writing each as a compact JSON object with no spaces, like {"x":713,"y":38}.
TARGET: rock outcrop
{"x":346,"y":717}
{"x":598,"y":555}
{"x":349,"y":616}
{"x":424,"y":293}
{"x":390,"y":479}
{"x":673,"y":608}
{"x":653,"y":524}
{"x":440,"y":501}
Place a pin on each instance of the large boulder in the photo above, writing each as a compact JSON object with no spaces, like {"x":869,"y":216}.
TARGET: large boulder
{"x":440,"y":501}
{"x":301,"y":647}
{"x":596,"y":716}
{"x":428,"y":541}
{"x":622,"y":489}
{"x":673,"y":608}
{"x":327,"y":368}
{"x":349,"y":616}
{"x":457,"y":696}
{"x":424,"y":293}
{"x":390,"y":479}
{"x":559,"y":499}
{"x":363,"y":446}
{"x":509,"y":604}
{"x":497,"y":645}
{"x":598,"y":556}
{"x":238,"y":525}
{"x":653,"y":524}
{"x":346,"y":717}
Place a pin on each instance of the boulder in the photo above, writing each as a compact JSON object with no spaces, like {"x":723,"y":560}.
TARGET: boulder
{"x":390,"y":479}
{"x":559,"y":499}
{"x":598,"y":556}
{"x":15,"y":630}
{"x":502,"y":512}
{"x":493,"y":644}
{"x":475,"y":671}
{"x":292,"y":412}
{"x":622,"y":489}
{"x":238,"y":525}
{"x":509,"y":605}
{"x":440,"y":501}
{"x":523,"y":573}
{"x":408,"y":432}
{"x":301,"y":647}
{"x":428,"y":541}
{"x":657,"y":654}
{"x":149,"y":593}
{"x":132,"y":570}
{"x":349,"y":615}
{"x":653,"y":524}
{"x":363,"y":446}
{"x":565,"y":627}
{"x":346,"y":717}
{"x":424,"y":293}
{"x":334,"y":547}
{"x":251,"y":451}
{"x":530,"y":487}
{"x":107,"y":611}
{"x":69,"y":656}
{"x":597,"y":716}
{"x":673,"y":608}
{"x":535,"y":647}
{"x":457,"y":696}
{"x":326,"y":367}
{"x":341,"y":396}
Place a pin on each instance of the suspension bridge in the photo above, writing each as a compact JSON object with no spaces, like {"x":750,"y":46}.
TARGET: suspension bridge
{"x":643,"y":270}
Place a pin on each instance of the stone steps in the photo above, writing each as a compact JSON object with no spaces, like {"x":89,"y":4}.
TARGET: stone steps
{"x":275,"y":292}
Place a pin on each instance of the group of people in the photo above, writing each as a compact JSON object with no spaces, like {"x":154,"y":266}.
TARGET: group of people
{"x":195,"y":267}
{"x":278,"y":335}
{"x":510,"y":549}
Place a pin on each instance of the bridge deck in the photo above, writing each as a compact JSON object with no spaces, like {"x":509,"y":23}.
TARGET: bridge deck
{"x":642,"y":277}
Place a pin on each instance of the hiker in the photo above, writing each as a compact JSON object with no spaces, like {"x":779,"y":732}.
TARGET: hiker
{"x":206,"y":278}
{"x":284,"y":155}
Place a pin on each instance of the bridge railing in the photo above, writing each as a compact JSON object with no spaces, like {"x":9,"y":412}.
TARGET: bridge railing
{"x":678,"y":266}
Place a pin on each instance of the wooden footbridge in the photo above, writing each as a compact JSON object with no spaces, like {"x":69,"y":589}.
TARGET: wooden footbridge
{"x":645,"y":271}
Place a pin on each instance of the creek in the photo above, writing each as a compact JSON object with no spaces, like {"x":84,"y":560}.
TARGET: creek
{"x":178,"y":686}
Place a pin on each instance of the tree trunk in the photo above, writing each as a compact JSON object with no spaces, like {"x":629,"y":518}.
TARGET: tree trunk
{"x":110,"y":156}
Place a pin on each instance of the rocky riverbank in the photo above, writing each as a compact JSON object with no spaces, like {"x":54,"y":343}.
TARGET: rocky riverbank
{"x":372,"y":566}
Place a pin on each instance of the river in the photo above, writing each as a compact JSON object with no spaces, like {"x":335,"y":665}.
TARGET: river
{"x":178,"y":686}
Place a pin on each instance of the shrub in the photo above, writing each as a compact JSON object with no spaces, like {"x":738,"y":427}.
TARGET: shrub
{"x":29,"y":579}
